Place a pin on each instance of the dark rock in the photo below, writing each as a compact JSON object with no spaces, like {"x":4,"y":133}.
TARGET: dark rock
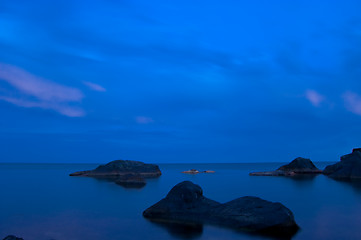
{"x":297,"y":167}
{"x":131,"y":181}
{"x":122,"y":167}
{"x":12,"y":237}
{"x":185,"y":203}
{"x":349,"y":166}
{"x":123,"y":172}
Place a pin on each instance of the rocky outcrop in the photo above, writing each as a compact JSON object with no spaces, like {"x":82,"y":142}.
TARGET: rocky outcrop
{"x":12,"y":237}
{"x":349,"y":166}
{"x":123,"y":172}
{"x":185,"y":203}
{"x":298,"y":166}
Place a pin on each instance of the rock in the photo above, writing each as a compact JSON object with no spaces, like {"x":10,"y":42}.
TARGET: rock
{"x":12,"y":237}
{"x":195,"y":171}
{"x":192,"y":171}
{"x":123,"y":172}
{"x":297,"y":167}
{"x":186,"y":204}
{"x":131,"y":181}
{"x":122,"y":167}
{"x":349,"y":166}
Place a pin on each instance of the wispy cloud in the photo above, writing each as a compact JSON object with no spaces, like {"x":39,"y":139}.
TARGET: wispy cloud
{"x":94,"y":86}
{"x":143,"y":120}
{"x":352,"y":102}
{"x":314,"y":97}
{"x":40,"y":93}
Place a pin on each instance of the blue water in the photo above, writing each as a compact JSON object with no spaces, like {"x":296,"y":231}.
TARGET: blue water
{"x":41,"y":202}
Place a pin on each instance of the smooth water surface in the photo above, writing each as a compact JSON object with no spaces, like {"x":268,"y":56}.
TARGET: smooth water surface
{"x":41,"y":202}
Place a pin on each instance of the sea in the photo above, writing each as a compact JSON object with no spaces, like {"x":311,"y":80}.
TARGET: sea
{"x":42,"y":202}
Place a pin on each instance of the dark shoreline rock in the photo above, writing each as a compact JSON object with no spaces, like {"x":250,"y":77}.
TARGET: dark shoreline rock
{"x":298,"y":166}
{"x":349,"y":166}
{"x":126,"y":173}
{"x":12,"y":237}
{"x":186,"y":204}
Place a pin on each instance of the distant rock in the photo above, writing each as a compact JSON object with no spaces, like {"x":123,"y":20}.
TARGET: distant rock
{"x":298,"y":166}
{"x":192,"y":171}
{"x":349,"y":166}
{"x":12,"y":237}
{"x":186,"y":204}
{"x":195,"y":171}
{"x":126,"y":173}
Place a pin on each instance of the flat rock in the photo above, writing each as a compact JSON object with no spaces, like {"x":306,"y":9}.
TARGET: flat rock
{"x":186,"y":204}
{"x":12,"y":237}
{"x":349,"y":166}
{"x":297,"y":167}
{"x":195,"y":171}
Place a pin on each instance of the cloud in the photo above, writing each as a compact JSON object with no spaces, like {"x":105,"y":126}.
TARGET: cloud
{"x":352,"y":102}
{"x":314,"y":97}
{"x":33,"y":91}
{"x":94,"y":86}
{"x":143,"y":120}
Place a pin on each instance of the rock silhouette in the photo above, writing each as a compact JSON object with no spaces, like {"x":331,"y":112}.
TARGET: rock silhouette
{"x":185,"y":203}
{"x":127,"y":173}
{"x":349,"y":166}
{"x":298,"y":166}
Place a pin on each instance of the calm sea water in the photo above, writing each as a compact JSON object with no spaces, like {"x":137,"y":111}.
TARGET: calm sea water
{"x":41,"y":202}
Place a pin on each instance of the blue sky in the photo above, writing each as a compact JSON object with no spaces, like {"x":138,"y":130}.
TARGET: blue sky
{"x":179,"y":81}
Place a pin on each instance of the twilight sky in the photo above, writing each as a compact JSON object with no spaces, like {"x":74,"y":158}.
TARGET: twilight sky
{"x":179,"y":81}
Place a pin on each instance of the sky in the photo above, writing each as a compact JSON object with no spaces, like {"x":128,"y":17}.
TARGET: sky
{"x":179,"y":81}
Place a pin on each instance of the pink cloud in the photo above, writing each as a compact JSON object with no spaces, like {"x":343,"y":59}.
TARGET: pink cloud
{"x":37,"y":92}
{"x":352,"y":102}
{"x":314,"y":97}
{"x":94,"y":86}
{"x":143,"y":120}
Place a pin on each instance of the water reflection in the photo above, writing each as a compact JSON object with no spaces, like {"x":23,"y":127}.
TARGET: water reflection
{"x":181,"y":231}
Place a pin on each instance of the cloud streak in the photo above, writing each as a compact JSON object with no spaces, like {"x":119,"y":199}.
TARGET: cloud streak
{"x":314,"y":97}
{"x":94,"y":86}
{"x":143,"y":120}
{"x":352,"y":102}
{"x":37,"y":92}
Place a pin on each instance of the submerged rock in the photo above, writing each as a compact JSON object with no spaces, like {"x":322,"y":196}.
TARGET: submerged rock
{"x":349,"y":166}
{"x":126,"y":173}
{"x":185,"y":203}
{"x":12,"y":237}
{"x":297,"y":167}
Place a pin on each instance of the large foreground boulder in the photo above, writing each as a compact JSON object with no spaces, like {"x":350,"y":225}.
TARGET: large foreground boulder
{"x":299,"y":166}
{"x":126,"y":173}
{"x":349,"y":166}
{"x":186,"y":204}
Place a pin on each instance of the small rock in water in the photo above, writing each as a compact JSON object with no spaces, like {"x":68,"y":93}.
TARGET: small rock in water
{"x":126,"y":173}
{"x":298,"y":166}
